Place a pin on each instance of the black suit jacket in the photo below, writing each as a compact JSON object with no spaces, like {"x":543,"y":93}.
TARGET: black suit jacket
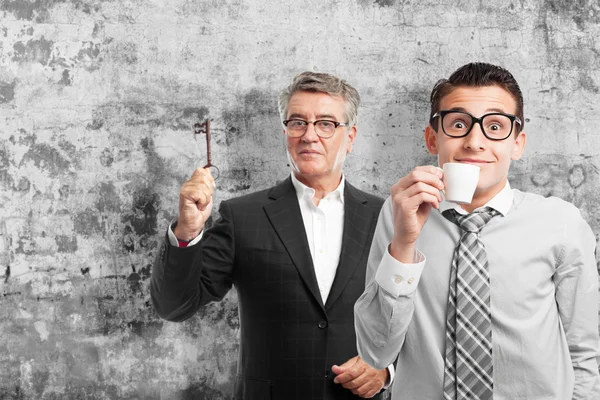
{"x":289,"y":338}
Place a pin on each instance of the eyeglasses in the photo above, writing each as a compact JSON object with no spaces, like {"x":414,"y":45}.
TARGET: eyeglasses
{"x":324,"y":128}
{"x":495,"y":126}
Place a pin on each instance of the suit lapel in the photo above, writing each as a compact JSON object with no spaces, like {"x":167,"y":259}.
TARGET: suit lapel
{"x":284,"y":214}
{"x":357,"y":219}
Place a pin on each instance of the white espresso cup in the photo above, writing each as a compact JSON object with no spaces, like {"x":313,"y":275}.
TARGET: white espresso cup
{"x":460,"y":182}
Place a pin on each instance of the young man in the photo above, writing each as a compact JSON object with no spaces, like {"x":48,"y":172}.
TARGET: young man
{"x":493,"y":299}
{"x":296,"y":253}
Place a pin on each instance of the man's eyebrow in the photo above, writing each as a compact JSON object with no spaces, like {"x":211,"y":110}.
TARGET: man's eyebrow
{"x":326,"y":116}
{"x":496,"y":110}
{"x":318,"y":116}
{"x":489,"y":110}
{"x":458,"y":109}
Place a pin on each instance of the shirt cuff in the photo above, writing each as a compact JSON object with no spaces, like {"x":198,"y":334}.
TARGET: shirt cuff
{"x":392,"y":372}
{"x":173,"y":240}
{"x":397,"y":278}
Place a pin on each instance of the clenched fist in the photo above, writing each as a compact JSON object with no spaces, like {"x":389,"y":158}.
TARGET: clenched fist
{"x":195,"y":204}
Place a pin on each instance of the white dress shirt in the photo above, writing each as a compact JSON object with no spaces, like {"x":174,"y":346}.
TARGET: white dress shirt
{"x":324,"y":225}
{"x":544,"y":301}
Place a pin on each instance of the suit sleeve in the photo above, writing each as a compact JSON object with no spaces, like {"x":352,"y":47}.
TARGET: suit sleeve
{"x":185,"y":279}
{"x":576,"y":280}
{"x":384,"y":311}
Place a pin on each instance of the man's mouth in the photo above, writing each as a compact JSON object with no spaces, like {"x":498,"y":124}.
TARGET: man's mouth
{"x":474,"y":161}
{"x":307,"y":151}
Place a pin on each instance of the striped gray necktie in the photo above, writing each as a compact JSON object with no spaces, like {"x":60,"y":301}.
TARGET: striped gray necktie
{"x":468,"y":372}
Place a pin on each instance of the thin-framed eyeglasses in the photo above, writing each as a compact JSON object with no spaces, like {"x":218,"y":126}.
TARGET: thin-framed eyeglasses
{"x":324,"y":128}
{"x":495,"y":125}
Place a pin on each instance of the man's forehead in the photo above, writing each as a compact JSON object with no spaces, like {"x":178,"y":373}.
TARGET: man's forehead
{"x":310,"y":100}
{"x":304,"y":94}
{"x":481,"y":97}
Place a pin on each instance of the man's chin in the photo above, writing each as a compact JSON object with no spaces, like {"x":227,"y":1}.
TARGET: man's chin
{"x":309,"y":172}
{"x":309,"y":168}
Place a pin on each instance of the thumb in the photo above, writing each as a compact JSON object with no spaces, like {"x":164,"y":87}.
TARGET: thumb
{"x":197,"y":172}
{"x":339,"y":369}
{"x":207,"y":207}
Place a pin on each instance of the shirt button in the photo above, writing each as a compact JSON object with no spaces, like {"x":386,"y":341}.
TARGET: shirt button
{"x":411,"y":280}
{"x":323,"y":324}
{"x":398,"y":279}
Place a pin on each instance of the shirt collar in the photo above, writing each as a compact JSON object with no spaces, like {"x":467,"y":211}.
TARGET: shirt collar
{"x":500,"y":202}
{"x":304,"y":191}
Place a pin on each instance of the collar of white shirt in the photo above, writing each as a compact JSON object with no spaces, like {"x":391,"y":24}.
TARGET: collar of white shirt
{"x":304,"y":191}
{"x":500,"y":202}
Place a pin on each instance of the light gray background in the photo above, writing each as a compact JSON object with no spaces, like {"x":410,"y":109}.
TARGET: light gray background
{"x":97,"y":100}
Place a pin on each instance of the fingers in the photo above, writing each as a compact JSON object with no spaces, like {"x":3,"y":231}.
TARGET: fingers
{"x":421,"y":185}
{"x":420,"y":188}
{"x":412,"y":198}
{"x":198,"y":189}
{"x":195,"y":203}
{"x":360,"y":378}
{"x":348,"y":371}
{"x":427,"y":174}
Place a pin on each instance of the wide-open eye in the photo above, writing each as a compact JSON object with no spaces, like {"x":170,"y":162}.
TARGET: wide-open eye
{"x":456,"y":121}
{"x":497,"y":125}
{"x":494,"y":127}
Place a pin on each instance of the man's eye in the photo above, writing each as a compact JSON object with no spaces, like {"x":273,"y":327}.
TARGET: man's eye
{"x":326,"y":124}
{"x":495,"y":126}
{"x":296,"y":123}
{"x":458,"y":125}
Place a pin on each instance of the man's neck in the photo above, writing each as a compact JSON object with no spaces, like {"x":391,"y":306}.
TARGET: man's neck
{"x":323,"y":185}
{"x":481,"y":199}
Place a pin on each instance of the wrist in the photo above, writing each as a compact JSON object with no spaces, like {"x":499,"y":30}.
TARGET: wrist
{"x":403,"y":251}
{"x":183,"y":235}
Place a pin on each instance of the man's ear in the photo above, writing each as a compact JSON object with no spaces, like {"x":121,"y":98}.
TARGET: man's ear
{"x":517,"y":151}
{"x":431,"y":140}
{"x":351,"y":137}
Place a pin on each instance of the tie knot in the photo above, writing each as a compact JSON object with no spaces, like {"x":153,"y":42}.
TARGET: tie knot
{"x":471,"y":222}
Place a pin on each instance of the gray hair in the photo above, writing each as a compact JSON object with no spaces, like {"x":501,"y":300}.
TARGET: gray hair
{"x":324,"y":83}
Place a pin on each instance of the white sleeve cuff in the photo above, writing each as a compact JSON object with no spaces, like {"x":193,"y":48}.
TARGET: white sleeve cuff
{"x":392,"y":372}
{"x":399,"y":279}
{"x":173,"y":240}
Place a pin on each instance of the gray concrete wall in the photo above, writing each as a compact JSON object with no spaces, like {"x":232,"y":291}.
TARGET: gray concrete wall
{"x":97,"y":100}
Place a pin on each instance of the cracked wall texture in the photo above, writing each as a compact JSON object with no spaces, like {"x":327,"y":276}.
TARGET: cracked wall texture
{"x":97,"y":101}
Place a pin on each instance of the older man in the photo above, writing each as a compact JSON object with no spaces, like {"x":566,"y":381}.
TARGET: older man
{"x":296,"y":253}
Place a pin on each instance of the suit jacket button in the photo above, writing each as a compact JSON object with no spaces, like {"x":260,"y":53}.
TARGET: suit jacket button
{"x":323,"y":324}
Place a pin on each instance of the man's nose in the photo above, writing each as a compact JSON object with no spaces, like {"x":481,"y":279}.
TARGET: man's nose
{"x":311,"y":134}
{"x":476,"y":140}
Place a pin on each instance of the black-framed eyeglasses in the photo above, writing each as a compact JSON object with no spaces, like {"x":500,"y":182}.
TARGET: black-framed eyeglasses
{"x":323,"y":127}
{"x":495,"y":126}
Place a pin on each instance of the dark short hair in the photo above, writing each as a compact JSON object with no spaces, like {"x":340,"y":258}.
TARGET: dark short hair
{"x":478,"y":74}
{"x":326,"y":83}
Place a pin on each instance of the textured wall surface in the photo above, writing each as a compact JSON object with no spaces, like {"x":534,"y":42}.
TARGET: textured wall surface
{"x":97,"y":103}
